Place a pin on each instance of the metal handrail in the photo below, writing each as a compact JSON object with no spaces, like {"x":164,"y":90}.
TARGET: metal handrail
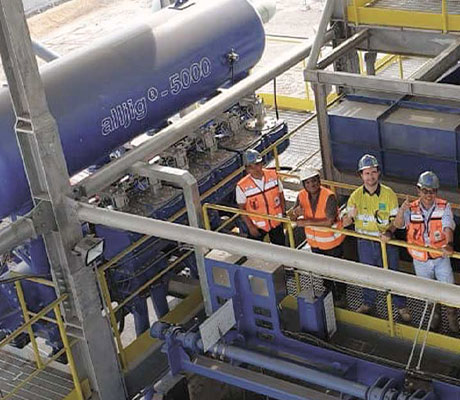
{"x":348,"y":186}
{"x":288,"y":223}
{"x":441,"y":25}
{"x":27,"y":326}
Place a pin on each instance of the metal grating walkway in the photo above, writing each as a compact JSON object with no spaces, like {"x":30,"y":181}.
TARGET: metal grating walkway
{"x":427,"y":6}
{"x":50,"y":384}
{"x":303,"y":145}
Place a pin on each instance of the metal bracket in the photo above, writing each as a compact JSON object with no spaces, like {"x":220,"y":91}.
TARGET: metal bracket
{"x":43,"y":217}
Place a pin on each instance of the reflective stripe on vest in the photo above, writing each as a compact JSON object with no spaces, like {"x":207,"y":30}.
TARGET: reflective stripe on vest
{"x":264,"y":200}
{"x":416,"y":229}
{"x":319,"y":238}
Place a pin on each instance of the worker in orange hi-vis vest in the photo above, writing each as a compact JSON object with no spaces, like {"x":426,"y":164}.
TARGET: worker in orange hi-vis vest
{"x":317,"y":206}
{"x":429,"y":222}
{"x":261,"y":192}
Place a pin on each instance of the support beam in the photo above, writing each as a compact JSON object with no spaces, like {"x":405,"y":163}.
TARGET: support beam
{"x":343,"y":270}
{"x":398,"y":86}
{"x":343,"y":49}
{"x":434,"y":68}
{"x":16,"y":233}
{"x":320,"y":93}
{"x":46,"y":170}
{"x":410,"y":42}
{"x":370,"y":57}
{"x":320,"y":37}
{"x":189,"y":185}
{"x":178,"y":130}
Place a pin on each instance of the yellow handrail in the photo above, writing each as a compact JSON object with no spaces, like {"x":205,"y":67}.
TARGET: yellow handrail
{"x":288,"y":223}
{"x":348,"y":186}
{"x":27,"y":326}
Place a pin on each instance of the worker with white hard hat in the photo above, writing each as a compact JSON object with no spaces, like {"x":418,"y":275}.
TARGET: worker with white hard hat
{"x":261,"y":192}
{"x":429,"y":222}
{"x":372,"y":208}
{"x":317,"y":206}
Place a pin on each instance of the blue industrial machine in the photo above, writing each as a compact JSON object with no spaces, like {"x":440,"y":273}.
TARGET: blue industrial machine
{"x":119,"y":88}
{"x":270,"y":348}
{"x":408,"y":135}
{"x":259,"y":338}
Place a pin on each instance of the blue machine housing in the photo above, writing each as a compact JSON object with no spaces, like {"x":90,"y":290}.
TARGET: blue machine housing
{"x":120,"y":87}
{"x":407,"y":135}
{"x":259,"y":338}
{"x":107,"y":94}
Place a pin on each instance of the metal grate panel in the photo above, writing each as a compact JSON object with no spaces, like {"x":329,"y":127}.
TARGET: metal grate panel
{"x":50,"y":384}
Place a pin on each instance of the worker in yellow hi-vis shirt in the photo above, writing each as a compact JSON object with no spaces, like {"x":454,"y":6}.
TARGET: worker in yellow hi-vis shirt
{"x":372,"y":207}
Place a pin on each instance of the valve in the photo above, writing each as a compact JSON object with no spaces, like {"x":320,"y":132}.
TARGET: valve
{"x":383,"y":389}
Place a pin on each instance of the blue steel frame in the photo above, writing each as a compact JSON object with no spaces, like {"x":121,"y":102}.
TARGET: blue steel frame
{"x":257,"y":293}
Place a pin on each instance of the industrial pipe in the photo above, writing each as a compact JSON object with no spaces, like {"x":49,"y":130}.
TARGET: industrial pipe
{"x":189,"y":185}
{"x":16,"y":233}
{"x":343,"y":270}
{"x":310,"y":375}
{"x":43,"y":52}
{"x":178,"y":130}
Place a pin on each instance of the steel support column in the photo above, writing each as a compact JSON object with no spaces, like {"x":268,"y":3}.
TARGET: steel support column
{"x":320,"y":37}
{"x":370,"y":57}
{"x":46,"y":171}
{"x":342,"y":49}
{"x":320,"y":93}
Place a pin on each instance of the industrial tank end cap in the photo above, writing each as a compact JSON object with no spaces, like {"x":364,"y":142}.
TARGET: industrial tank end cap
{"x":265,"y":8}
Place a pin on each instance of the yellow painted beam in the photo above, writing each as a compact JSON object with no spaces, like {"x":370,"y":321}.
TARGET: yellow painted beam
{"x":86,"y":392}
{"x":293,"y":103}
{"x":403,"y":18}
{"x":402,"y":331}
{"x":181,"y":313}
{"x":288,"y":102}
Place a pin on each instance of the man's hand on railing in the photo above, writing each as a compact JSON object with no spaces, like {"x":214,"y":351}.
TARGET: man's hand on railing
{"x":385,"y":237}
{"x":447,"y":250}
{"x":348,"y":218}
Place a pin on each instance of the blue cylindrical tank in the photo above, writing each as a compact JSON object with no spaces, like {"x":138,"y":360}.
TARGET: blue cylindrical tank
{"x":120,"y":87}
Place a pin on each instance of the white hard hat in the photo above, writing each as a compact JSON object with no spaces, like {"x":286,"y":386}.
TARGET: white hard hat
{"x":307,"y":173}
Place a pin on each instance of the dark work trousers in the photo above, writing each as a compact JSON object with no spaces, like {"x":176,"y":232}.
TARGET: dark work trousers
{"x":370,"y":252}
{"x":338,"y":289}
{"x":276,"y":235}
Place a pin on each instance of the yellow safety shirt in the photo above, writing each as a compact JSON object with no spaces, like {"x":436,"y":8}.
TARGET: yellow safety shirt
{"x":375,"y":211}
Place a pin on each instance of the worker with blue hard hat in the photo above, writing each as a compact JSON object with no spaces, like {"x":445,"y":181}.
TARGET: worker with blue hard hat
{"x":261,"y":192}
{"x":317,"y":206}
{"x":429,"y":222}
{"x":372,"y":208}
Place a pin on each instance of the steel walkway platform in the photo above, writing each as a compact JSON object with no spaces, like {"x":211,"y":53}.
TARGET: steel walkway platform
{"x":49,"y":384}
{"x":428,"y":6}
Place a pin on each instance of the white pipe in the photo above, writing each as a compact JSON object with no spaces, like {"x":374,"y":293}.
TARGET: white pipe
{"x":343,"y":270}
{"x":265,"y":8}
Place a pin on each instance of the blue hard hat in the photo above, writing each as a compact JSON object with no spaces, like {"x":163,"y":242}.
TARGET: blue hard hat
{"x":367,"y":161}
{"x":251,"y":157}
{"x":428,"y":180}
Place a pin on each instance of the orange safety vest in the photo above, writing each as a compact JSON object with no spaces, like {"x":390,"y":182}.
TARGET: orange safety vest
{"x":416,"y":229}
{"x":265,"y":200}
{"x":318,"y":238}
